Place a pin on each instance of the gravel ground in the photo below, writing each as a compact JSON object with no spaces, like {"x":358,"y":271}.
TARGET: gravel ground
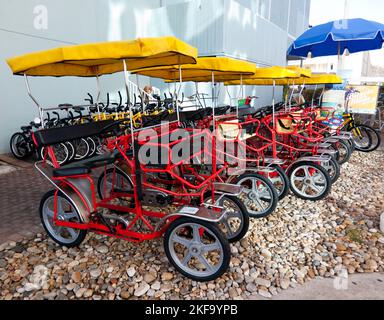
{"x":301,"y":241}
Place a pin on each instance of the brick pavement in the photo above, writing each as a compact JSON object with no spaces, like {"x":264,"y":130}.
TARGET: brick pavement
{"x":20,"y":194}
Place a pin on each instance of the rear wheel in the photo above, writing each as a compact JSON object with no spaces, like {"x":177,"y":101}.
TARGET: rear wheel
{"x":197,"y":249}
{"x":309,"y":181}
{"x":113,"y":179}
{"x":279,"y":179}
{"x":235,"y":223}
{"x":259,"y":195}
{"x":66,"y":211}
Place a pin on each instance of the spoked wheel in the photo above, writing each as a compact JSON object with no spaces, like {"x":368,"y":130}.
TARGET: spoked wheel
{"x":19,"y":146}
{"x":366,"y":138}
{"x":114,"y":179}
{"x":61,"y":152}
{"x":279,"y":179}
{"x":309,"y":181}
{"x":92,"y":147}
{"x":259,"y":195}
{"x":333,"y":169}
{"x":197,"y":249}
{"x":82,"y":149}
{"x":66,"y":211}
{"x":71,"y":150}
{"x":235,"y":223}
{"x":344,"y":151}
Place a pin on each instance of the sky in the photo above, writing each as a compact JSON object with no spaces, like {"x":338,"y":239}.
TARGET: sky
{"x":323,"y":11}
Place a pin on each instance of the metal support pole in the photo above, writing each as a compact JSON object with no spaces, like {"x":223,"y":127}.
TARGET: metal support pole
{"x":41,"y":111}
{"x":126,"y":80}
{"x":273,"y":103}
{"x":313,"y":96}
{"x":98,"y":94}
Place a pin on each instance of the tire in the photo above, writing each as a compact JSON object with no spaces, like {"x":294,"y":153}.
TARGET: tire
{"x":375,"y":139}
{"x":267,"y":194}
{"x":82,"y":149}
{"x":92,"y":147}
{"x":120,"y":176}
{"x":189,"y":227}
{"x":71,"y":150}
{"x":19,"y":146}
{"x":344,"y":151}
{"x":61,"y":151}
{"x":333,"y":169}
{"x":335,"y":156}
{"x":325,"y":183}
{"x":46,"y":206}
{"x":241,"y":214}
{"x":280,"y":182}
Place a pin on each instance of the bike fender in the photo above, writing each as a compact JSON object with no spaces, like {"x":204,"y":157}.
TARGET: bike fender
{"x":79,"y":203}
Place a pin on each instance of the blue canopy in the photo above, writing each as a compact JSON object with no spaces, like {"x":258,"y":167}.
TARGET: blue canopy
{"x":334,"y":37}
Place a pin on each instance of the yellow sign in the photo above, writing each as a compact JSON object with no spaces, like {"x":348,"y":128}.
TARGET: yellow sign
{"x":362,"y":99}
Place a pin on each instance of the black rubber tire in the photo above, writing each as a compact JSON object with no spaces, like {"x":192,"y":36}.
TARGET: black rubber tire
{"x":336,"y":167}
{"x":318,"y":167}
{"x":284,"y":177}
{"x":275,"y":196}
{"x":245,"y":217}
{"x":346,"y":146}
{"x":216,"y":231}
{"x":374,"y":143}
{"x":82,"y":233}
{"x":109,"y":171}
{"x":22,"y":136}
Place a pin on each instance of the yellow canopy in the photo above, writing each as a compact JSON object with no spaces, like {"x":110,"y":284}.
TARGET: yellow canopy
{"x":302,"y":71}
{"x":96,"y":59}
{"x":269,"y":73}
{"x":223,"y":69}
{"x":313,"y":80}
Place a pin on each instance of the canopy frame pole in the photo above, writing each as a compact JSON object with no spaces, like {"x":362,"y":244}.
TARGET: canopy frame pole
{"x":213,"y":101}
{"x":177,"y":95}
{"x":313,"y":96}
{"x":273,"y":103}
{"x":126,"y":81}
{"x":98,"y":94}
{"x":41,"y":111}
{"x":291,"y":96}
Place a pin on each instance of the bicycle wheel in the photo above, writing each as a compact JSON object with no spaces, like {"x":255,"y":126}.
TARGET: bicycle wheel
{"x":197,"y":249}
{"x":309,"y":181}
{"x":71,"y":150}
{"x":259,"y":195}
{"x":235,"y":223}
{"x":66,"y":211}
{"x":92,"y":147}
{"x":374,"y":138}
{"x":113,"y":179}
{"x":82,"y":149}
{"x":333,"y":169}
{"x":344,"y":151}
{"x":279,"y":179}
{"x":19,"y":146}
{"x":362,"y":138}
{"x":61,"y":153}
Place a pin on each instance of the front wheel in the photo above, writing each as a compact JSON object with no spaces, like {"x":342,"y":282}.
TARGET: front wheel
{"x":19,"y":146}
{"x":197,"y":249}
{"x":66,"y":211}
{"x":235,"y":223}
{"x":259,"y":195}
{"x":279,"y":179}
{"x":309,"y":181}
{"x":366,"y":138}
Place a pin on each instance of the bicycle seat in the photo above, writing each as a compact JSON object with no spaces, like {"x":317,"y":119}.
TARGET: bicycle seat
{"x":26,"y":128}
{"x":71,"y":171}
